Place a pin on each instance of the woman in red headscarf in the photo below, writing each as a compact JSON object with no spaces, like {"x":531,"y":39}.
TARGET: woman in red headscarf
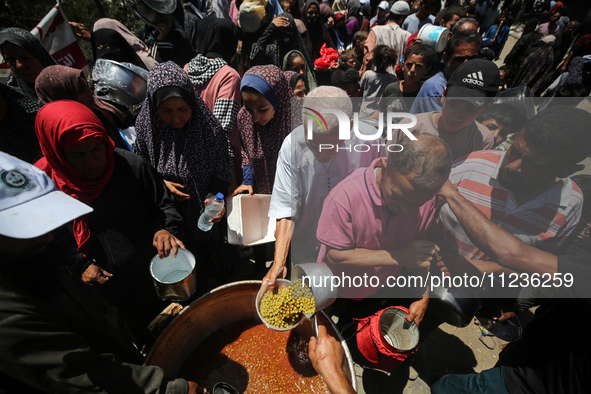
{"x":131,"y":205}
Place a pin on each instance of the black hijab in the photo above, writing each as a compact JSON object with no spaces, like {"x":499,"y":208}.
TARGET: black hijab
{"x":115,"y":48}
{"x":317,"y":32}
{"x":218,"y":37}
{"x":33,"y":46}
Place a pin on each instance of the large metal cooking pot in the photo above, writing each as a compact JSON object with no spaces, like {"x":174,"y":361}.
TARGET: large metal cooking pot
{"x":222,"y":306}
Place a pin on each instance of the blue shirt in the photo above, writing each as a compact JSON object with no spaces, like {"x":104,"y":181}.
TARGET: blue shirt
{"x":412,"y":24}
{"x":429,"y":97}
{"x":501,"y":37}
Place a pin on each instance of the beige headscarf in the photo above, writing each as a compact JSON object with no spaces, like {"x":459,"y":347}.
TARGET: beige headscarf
{"x":251,"y":15}
{"x":136,"y":44}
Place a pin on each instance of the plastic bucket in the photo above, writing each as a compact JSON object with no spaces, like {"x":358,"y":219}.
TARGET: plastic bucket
{"x":316,"y":277}
{"x":434,"y":36}
{"x":385,"y":339}
{"x":174,"y":277}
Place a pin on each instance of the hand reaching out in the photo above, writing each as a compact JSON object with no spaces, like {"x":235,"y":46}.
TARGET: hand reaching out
{"x":165,"y":241}
{"x":327,"y":355}
{"x":417,"y":310}
{"x":80,"y":30}
{"x":174,"y":189}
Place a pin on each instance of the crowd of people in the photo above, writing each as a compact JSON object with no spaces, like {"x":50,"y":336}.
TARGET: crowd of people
{"x":450,"y":166}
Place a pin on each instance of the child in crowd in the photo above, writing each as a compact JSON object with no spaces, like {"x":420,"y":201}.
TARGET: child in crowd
{"x":373,"y":83}
{"x":286,"y":6}
{"x":358,"y":46}
{"x":348,"y":60}
{"x":502,"y":120}
{"x":507,"y":75}
{"x":349,"y":82}
{"x":417,"y":63}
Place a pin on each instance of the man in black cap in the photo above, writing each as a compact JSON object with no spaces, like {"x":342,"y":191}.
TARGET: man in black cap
{"x":468,"y":94}
{"x":461,"y":47}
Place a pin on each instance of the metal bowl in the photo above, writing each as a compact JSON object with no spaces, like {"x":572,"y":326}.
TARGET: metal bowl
{"x":279,"y":284}
{"x":453,"y":306}
{"x":120,"y":83}
{"x":174,"y":277}
{"x":316,"y":273}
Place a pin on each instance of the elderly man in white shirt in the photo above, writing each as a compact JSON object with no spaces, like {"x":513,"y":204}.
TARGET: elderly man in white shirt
{"x":308,"y":167}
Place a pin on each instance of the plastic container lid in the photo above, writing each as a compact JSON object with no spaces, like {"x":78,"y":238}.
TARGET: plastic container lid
{"x":219,"y":196}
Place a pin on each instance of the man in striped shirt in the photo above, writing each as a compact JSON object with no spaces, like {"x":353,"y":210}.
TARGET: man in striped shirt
{"x":524,"y":190}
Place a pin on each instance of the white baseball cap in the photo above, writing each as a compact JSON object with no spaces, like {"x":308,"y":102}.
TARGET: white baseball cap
{"x":400,"y":8}
{"x":384,"y":5}
{"x":30,"y":204}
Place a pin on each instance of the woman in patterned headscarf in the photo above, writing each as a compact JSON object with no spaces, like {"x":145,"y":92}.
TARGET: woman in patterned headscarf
{"x":217,"y":83}
{"x":270,"y":112}
{"x":182,"y":139}
{"x":63,"y":83}
{"x":296,"y":81}
{"x":26,"y":57}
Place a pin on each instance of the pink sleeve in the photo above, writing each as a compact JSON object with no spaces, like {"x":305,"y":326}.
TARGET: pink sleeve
{"x":234,"y":12}
{"x":230,"y":86}
{"x":335,"y":228}
{"x":428,"y":211}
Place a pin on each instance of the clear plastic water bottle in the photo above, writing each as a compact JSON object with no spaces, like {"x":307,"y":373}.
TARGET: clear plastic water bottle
{"x":215,"y":205}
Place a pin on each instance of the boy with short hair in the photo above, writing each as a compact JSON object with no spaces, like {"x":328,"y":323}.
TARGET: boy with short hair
{"x":502,"y":120}
{"x":358,"y":46}
{"x":417,"y":62}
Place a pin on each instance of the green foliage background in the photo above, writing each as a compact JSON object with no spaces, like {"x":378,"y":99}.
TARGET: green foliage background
{"x":27,"y":13}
